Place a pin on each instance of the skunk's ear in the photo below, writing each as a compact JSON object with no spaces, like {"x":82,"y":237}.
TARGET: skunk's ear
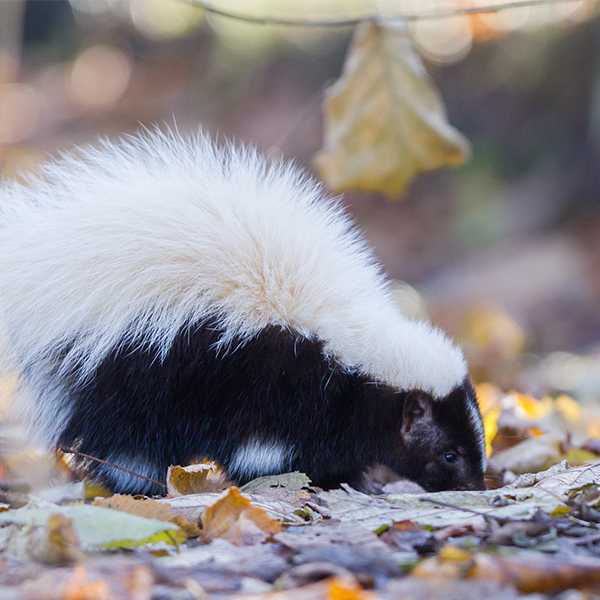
{"x":417,"y":410}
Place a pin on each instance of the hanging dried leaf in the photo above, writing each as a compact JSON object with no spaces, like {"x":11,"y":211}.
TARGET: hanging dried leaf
{"x":385,"y":121}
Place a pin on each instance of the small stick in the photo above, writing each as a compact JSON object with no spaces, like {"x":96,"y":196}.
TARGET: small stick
{"x":104,"y":462}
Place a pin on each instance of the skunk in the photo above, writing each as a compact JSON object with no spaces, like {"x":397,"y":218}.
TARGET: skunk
{"x":165,"y":299}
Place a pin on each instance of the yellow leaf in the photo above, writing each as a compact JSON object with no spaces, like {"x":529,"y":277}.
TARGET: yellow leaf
{"x":579,"y":456}
{"x":435,"y":567}
{"x":559,"y":511}
{"x":384,"y":120}
{"x":194,"y":479}
{"x":593,"y":427}
{"x":488,"y":396}
{"x":529,"y":407}
{"x":490,"y":428}
{"x":453,"y":553}
{"x":494,"y":330}
{"x":568,"y":408}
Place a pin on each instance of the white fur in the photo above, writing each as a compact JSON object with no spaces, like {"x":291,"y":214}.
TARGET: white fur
{"x":477,"y":425}
{"x":257,"y":457}
{"x":140,"y":237}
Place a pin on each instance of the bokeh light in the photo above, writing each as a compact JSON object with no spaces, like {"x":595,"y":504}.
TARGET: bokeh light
{"x":94,"y":7}
{"x":20,"y":110}
{"x":165,"y":19}
{"x":99,"y":77}
{"x":248,"y":38}
{"x":446,"y":40}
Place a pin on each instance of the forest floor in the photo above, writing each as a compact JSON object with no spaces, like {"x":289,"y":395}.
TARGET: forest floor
{"x":535,"y":532}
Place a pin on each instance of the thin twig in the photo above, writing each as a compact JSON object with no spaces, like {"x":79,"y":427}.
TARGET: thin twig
{"x":463,"y":508}
{"x":590,"y":539}
{"x":436,"y":14}
{"x":104,"y":462}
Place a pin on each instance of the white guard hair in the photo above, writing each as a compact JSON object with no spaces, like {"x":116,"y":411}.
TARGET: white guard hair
{"x":138,"y":238}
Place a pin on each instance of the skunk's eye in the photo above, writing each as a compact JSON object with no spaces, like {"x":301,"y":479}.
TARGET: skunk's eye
{"x":450,"y":457}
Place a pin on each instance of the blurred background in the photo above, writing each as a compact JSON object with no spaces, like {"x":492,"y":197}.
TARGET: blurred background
{"x":503,"y":252}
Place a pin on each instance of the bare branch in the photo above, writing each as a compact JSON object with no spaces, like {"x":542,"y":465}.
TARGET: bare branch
{"x":420,"y":16}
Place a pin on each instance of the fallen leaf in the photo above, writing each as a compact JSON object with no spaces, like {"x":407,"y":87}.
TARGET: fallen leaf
{"x":568,"y":408}
{"x":149,"y":509}
{"x":341,"y":587}
{"x":309,"y":573}
{"x":454,"y":553}
{"x":530,"y":479}
{"x":98,"y":580}
{"x":535,"y":572}
{"x":101,"y":527}
{"x":384,"y":120}
{"x":234,"y":518}
{"x":580,"y":456}
{"x":576,"y":477}
{"x":330,"y":532}
{"x":55,"y":543}
{"x":533,"y":454}
{"x":435,"y":567}
{"x":275,"y":502}
{"x":454,"y":508}
{"x":259,"y":562}
{"x":439,"y":588}
{"x":194,"y":479}
{"x":490,"y":428}
{"x":289,"y":481}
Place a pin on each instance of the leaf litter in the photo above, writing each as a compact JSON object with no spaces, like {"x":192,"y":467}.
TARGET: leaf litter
{"x":535,"y":533}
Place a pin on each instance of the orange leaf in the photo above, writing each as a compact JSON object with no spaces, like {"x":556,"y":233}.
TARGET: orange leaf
{"x":342,"y":589}
{"x":233,"y":518}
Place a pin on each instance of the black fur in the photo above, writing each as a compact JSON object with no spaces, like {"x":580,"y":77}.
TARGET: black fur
{"x":200,"y":403}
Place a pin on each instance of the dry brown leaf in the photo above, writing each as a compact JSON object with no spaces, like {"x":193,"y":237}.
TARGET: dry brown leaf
{"x":530,"y":572}
{"x":233,"y":518}
{"x":149,"y":509}
{"x":99,"y":580}
{"x":331,"y":533}
{"x":384,"y":120}
{"x":532,"y":455}
{"x":278,"y":504}
{"x":290,"y":481}
{"x":54,"y":544}
{"x":576,"y":477}
{"x":194,"y":479}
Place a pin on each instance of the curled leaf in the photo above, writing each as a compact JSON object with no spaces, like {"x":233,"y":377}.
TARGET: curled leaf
{"x":233,"y":518}
{"x":194,"y":479}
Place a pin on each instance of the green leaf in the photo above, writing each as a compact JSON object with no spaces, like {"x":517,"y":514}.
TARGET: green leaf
{"x":102,"y":527}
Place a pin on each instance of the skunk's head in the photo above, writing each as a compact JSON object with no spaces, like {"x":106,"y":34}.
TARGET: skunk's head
{"x":440,"y":441}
